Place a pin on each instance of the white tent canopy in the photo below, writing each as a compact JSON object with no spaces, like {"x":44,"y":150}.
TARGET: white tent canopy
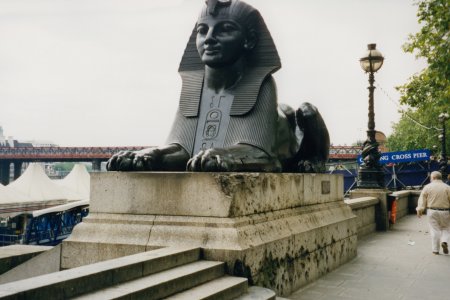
{"x":78,"y":181}
{"x":12,"y":196}
{"x":38,"y":187}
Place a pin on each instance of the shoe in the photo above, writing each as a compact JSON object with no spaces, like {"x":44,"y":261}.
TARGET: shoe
{"x":436,"y":253}
{"x":445,"y":247}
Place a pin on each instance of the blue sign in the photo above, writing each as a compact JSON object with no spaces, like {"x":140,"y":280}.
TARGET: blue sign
{"x":402,"y":156}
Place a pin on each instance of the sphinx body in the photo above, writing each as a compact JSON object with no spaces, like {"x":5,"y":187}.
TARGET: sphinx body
{"x":229,"y":118}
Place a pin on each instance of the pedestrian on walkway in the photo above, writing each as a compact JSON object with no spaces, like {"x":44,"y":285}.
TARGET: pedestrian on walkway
{"x":435,"y":198}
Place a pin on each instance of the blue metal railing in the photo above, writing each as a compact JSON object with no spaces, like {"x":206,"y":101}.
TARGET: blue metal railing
{"x":47,"y":229}
{"x":52,"y":228}
{"x":10,"y":239}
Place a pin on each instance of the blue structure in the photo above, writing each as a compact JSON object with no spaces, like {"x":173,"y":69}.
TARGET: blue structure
{"x":396,"y":176}
{"x":43,"y":227}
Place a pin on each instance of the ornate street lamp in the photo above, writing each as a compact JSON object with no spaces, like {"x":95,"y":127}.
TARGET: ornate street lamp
{"x":443,"y":117}
{"x":370,"y":173}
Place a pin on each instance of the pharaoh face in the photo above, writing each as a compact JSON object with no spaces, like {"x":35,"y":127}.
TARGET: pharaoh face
{"x":220,"y":41}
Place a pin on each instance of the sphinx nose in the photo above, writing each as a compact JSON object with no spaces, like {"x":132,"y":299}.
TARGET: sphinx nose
{"x":210,"y":37}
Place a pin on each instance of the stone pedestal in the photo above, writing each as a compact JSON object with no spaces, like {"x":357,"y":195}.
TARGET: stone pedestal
{"x":279,"y":230}
{"x":381,"y":212}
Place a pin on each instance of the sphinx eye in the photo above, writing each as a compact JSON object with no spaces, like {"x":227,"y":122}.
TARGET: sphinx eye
{"x":228,"y":26}
{"x":202,"y":29}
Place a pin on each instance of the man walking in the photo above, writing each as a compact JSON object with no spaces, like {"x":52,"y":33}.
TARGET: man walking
{"x":435,"y":198}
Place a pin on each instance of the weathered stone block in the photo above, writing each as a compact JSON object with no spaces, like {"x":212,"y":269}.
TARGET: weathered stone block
{"x":403,"y":198}
{"x":382,"y":217}
{"x":208,"y":194}
{"x":365,"y":210}
{"x":278,"y":230}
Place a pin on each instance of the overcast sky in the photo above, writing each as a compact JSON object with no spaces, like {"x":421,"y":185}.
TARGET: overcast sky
{"x":104,"y":72}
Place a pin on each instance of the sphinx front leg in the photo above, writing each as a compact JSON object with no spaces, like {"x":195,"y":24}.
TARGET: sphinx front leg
{"x":171,"y":157}
{"x":238,"y":158}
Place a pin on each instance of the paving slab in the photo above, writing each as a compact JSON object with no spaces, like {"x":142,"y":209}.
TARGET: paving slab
{"x":397,"y":264}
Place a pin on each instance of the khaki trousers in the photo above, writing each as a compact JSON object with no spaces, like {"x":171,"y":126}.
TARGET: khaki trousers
{"x":439,"y":222}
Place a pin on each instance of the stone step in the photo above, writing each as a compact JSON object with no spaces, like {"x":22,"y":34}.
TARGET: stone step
{"x":258,"y":293}
{"x":162,"y":284}
{"x":85,"y":279}
{"x":226,"y":287}
{"x":14,"y":255}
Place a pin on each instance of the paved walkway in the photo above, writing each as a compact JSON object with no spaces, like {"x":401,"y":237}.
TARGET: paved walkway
{"x":388,"y":267}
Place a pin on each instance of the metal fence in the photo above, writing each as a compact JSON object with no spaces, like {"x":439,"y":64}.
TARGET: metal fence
{"x":47,"y":229}
{"x":396,"y":176}
{"x":10,"y":239}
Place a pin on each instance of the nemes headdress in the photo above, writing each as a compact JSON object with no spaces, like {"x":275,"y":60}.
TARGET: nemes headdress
{"x":262,"y":61}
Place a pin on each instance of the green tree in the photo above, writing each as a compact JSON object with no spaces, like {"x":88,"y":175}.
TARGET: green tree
{"x":428,"y":92}
{"x":63,"y":166}
{"x":408,"y":135}
{"x":68,"y":166}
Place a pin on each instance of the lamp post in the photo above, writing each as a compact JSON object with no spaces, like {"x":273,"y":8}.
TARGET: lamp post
{"x":443,"y":117}
{"x":370,"y":173}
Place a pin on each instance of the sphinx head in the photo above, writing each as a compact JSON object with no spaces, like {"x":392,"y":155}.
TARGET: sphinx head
{"x":244,"y":34}
{"x":226,"y":32}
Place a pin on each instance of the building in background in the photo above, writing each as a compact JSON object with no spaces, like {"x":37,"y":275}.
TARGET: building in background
{"x":380,"y":137}
{"x":12,"y":143}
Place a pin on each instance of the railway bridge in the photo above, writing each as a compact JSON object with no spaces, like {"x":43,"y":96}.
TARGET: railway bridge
{"x":18,"y":155}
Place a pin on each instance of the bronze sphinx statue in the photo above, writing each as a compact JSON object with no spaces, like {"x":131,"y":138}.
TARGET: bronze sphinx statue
{"x":228,"y":117}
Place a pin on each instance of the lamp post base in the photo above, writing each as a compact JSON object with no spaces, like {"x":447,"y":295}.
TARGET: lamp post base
{"x":370,"y":179}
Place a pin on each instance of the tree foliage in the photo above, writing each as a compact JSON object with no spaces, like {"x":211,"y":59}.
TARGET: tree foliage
{"x":407,"y":135}
{"x":63,"y":166}
{"x":428,"y":92}
{"x":68,"y":166}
